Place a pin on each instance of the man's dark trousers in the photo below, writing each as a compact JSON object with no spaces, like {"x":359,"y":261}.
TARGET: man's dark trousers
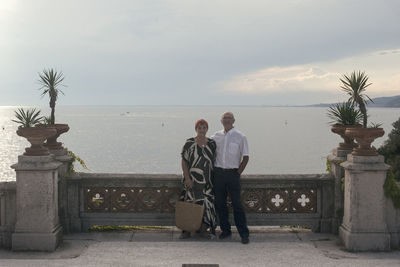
{"x":228,"y":181}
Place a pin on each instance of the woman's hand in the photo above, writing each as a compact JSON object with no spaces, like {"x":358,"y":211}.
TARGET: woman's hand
{"x":189,"y":183}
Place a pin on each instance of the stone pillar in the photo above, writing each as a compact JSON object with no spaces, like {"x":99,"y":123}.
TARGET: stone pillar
{"x":37,"y":225}
{"x":7,"y":213}
{"x":364,"y":226}
{"x":337,"y":157}
{"x":327,"y":207}
{"x":393,"y":224}
{"x":62,"y":156}
{"x":65,"y":159}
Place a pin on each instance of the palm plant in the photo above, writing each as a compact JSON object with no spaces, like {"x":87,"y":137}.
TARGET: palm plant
{"x":355,"y":85}
{"x":27,"y":118}
{"x":375,"y":125}
{"x":50,"y":81}
{"x":46,"y":120}
{"x":344,"y":114}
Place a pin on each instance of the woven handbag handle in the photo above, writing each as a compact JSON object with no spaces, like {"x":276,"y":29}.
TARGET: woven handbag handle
{"x":186,"y":194}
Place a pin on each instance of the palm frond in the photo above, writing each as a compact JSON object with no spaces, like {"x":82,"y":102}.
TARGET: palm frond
{"x":50,"y":81}
{"x":355,"y":86}
{"x":375,"y":125}
{"x":27,"y":118}
{"x":344,"y":114}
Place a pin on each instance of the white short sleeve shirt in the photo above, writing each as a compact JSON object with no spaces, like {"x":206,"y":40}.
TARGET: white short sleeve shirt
{"x":231,"y":147}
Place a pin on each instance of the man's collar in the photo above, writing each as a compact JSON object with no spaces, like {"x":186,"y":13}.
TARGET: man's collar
{"x":225,"y":132}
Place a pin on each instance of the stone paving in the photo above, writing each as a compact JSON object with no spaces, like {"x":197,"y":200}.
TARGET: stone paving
{"x":269,"y":246}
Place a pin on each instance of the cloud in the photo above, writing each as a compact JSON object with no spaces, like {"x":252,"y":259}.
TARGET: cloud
{"x":389,"y":86}
{"x":278,"y":79}
{"x":386,"y":52}
{"x":381,"y":66}
{"x":164,"y":52}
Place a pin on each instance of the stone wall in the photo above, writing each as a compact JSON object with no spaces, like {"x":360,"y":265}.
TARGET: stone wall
{"x":148,"y":199}
{"x":7,"y":212}
{"x":87,"y":199}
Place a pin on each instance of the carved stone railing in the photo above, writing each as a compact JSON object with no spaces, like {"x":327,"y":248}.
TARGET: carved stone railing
{"x":7,"y":212}
{"x":149,"y":199}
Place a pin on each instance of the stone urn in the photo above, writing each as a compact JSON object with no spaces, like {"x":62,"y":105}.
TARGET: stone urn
{"x":348,"y":140}
{"x":36,"y":137}
{"x":364,"y":138}
{"x":52,"y":143}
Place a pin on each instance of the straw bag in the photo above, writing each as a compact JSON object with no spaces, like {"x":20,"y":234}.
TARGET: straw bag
{"x":188,"y":216}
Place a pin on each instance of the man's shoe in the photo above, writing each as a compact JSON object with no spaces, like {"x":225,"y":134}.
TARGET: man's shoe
{"x":245,"y":240}
{"x":184,"y":235}
{"x":224,"y":235}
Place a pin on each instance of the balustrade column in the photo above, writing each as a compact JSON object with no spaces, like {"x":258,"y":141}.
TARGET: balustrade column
{"x":65,"y":159}
{"x":62,"y":156}
{"x":337,"y":157}
{"x":364,"y":226}
{"x":37,"y":225}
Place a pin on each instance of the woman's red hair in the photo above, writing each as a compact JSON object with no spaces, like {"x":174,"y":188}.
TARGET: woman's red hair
{"x":201,"y":121}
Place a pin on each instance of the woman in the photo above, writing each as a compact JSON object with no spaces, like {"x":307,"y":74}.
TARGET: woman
{"x":198,"y":155}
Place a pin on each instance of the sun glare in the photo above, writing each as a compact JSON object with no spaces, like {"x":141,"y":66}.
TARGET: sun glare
{"x":8,"y":5}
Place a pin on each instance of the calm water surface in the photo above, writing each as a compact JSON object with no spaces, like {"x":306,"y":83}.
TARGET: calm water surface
{"x":149,"y":139}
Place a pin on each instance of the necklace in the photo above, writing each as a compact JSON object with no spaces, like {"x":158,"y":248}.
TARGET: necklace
{"x":201,"y":143}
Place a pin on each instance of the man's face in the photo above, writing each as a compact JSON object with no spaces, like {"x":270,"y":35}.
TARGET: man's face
{"x":227,"y":120}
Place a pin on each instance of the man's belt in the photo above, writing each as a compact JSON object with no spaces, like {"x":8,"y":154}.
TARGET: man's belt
{"x":225,"y":170}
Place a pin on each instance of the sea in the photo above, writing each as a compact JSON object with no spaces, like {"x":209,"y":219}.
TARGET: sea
{"x":149,"y":139}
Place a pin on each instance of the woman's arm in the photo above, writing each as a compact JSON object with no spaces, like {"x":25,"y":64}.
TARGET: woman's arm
{"x":188,"y":182}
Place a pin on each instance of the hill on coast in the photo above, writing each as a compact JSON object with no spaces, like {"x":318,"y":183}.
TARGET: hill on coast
{"x":379,"y":102}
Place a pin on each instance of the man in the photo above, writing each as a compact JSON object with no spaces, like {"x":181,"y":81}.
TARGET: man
{"x":232,"y":158}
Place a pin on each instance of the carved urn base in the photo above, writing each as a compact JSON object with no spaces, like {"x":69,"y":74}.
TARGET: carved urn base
{"x":348,"y":143}
{"x":52,"y":143}
{"x":36,"y":136}
{"x":364,"y":138}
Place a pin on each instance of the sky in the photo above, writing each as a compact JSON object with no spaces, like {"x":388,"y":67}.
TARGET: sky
{"x":191,"y":52}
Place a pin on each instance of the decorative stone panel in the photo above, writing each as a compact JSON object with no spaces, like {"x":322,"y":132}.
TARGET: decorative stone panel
{"x":141,"y":199}
{"x":121,"y":199}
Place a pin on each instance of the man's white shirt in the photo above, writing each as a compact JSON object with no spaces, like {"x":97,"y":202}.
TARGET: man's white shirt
{"x":231,"y":147}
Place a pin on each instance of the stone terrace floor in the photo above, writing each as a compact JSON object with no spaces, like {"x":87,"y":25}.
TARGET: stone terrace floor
{"x":269,"y":246}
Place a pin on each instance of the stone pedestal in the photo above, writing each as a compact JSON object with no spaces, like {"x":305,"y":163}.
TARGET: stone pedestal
{"x":37,"y":226}
{"x":337,"y":157}
{"x":364,"y":226}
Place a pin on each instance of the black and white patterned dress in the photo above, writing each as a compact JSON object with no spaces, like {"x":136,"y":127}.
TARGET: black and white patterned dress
{"x":199,"y":161}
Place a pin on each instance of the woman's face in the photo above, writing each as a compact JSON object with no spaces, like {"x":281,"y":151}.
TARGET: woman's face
{"x":201,"y":129}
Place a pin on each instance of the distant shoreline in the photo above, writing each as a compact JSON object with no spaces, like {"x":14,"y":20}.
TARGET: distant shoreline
{"x":379,"y":102}
{"x":190,"y":106}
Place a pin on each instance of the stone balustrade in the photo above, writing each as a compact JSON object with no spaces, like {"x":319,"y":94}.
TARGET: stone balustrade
{"x":44,"y":202}
{"x":7,"y":212}
{"x":148,"y":199}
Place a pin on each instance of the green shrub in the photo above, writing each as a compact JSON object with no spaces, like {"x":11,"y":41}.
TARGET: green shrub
{"x":391,"y":189}
{"x":391,"y":150}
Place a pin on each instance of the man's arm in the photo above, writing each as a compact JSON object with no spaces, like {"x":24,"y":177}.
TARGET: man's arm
{"x":245,"y":153}
{"x":243,"y":164}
